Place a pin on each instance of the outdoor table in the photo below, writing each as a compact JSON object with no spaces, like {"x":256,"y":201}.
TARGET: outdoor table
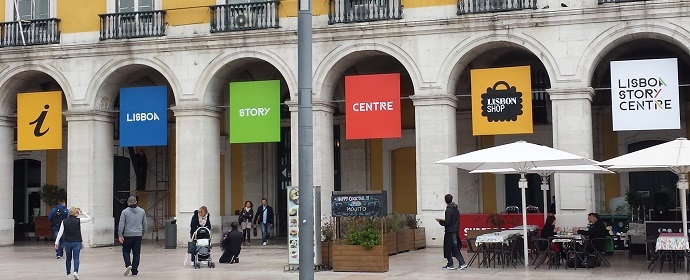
{"x":499,"y":239}
{"x":570,"y":240}
{"x":531,"y":228}
{"x":667,"y":244}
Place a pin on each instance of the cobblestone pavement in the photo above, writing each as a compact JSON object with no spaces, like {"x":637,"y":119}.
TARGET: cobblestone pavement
{"x":36,"y":260}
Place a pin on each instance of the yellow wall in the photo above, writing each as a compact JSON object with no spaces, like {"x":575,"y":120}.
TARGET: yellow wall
{"x":222,"y":185}
{"x":488,"y":180}
{"x":236,"y":177}
{"x":404,"y":182}
{"x":184,"y":12}
{"x":51,"y":167}
{"x":171,"y":187}
{"x":79,"y":15}
{"x":376,"y":166}
{"x":610,"y":150}
{"x":2,"y":10}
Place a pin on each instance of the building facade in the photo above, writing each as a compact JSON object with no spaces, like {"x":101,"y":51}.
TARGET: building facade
{"x":89,"y":49}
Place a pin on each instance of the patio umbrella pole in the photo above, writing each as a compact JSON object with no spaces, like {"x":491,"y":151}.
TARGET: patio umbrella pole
{"x":683,"y":187}
{"x":544,"y":190}
{"x":523,"y":185}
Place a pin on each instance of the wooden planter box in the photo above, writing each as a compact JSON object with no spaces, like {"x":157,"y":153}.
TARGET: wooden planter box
{"x":391,"y":243}
{"x":326,"y":253}
{"x":405,"y":240}
{"x":419,"y":238}
{"x":356,"y":258}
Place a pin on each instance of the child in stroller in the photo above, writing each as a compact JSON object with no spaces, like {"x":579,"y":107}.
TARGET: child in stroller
{"x":202,"y":252}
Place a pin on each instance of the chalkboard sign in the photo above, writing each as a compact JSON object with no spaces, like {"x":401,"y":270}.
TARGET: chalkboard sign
{"x":359,"y":204}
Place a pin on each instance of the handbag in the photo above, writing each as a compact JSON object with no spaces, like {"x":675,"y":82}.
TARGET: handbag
{"x":191,"y":247}
{"x":255,"y":233}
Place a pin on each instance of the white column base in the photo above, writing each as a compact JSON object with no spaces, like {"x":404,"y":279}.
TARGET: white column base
{"x":6,"y":232}
{"x":433,"y":230}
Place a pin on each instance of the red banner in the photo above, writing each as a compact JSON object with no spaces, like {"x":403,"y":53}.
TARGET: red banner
{"x":372,"y":104}
{"x":489,"y":221}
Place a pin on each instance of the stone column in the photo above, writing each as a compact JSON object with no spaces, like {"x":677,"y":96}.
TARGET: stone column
{"x":323,"y":154}
{"x":7,"y":125}
{"x":197,"y":162}
{"x":435,"y":127}
{"x":572,"y":132}
{"x":90,"y":173}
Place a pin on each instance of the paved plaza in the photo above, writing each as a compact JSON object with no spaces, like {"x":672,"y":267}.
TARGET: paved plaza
{"x":36,"y":260}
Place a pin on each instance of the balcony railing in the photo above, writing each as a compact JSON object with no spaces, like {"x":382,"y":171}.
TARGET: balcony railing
{"x":492,"y":6}
{"x":235,"y":17}
{"x":618,"y":1}
{"x":132,"y":25}
{"x":34,"y":32}
{"x":345,"y":11}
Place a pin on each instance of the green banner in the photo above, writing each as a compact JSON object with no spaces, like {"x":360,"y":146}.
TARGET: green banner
{"x":255,"y":112}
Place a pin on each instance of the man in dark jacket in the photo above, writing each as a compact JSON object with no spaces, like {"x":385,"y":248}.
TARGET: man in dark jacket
{"x":232,"y":244}
{"x":450,"y":238}
{"x":597,"y":229}
{"x":264,"y":217}
{"x":56,"y":215}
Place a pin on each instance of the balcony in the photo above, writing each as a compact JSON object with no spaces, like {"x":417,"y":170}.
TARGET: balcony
{"x":132,"y":25}
{"x":348,"y":11}
{"x":29,"y":32}
{"x":618,"y":1}
{"x":248,"y":16}
{"x":493,"y":6}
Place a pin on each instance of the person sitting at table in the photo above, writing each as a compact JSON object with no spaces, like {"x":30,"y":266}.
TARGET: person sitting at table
{"x":549,"y":230}
{"x":596,"y":230}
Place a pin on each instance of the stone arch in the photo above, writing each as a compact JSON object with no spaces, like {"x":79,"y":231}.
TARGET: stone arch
{"x":337,"y":61}
{"x":470,"y":48}
{"x":102,"y":89}
{"x":623,"y":32}
{"x":13,"y":77}
{"x":202,"y":87}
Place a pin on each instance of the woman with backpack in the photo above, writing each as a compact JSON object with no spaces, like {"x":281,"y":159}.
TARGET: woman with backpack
{"x":70,"y":235}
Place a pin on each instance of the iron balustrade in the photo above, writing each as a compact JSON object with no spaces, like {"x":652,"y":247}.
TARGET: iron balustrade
{"x":618,"y":1}
{"x":492,"y":6}
{"x":247,"y":16}
{"x":132,"y":25}
{"x":346,"y":11}
{"x":34,"y":32}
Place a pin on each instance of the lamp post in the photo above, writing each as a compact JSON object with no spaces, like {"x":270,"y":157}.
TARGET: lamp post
{"x":305,"y":139}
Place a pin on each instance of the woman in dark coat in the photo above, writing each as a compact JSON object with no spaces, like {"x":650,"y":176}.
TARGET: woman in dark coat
{"x":200,"y":219}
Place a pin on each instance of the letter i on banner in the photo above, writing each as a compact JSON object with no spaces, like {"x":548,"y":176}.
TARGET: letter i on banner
{"x":39,"y":121}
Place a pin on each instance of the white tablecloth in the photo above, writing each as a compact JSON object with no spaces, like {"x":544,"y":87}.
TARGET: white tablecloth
{"x":670,"y":241}
{"x":496,"y":237}
{"x":529,"y":227}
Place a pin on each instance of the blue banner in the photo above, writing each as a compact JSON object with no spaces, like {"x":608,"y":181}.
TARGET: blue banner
{"x":144,"y":116}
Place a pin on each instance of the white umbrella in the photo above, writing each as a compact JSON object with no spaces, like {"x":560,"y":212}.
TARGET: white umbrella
{"x":521,"y":157}
{"x":545,"y":172}
{"x":671,"y":156}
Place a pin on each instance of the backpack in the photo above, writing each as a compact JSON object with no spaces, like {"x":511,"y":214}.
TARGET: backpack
{"x":58,"y":216}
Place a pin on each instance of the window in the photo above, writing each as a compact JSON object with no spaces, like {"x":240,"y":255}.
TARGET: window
{"x":32,"y":9}
{"x":130,"y":6}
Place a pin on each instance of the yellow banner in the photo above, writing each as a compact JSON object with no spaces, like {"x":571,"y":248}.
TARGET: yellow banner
{"x":39,"y":121}
{"x":501,"y":101}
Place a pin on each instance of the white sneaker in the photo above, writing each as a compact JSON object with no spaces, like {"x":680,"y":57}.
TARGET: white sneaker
{"x":76,"y":277}
{"x":69,"y":276}
{"x":265,"y":243}
{"x":448,"y":268}
{"x":462,"y":267}
{"x":127,"y":270}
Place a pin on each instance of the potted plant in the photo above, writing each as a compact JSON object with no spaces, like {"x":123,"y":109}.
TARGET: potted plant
{"x":390,"y":236}
{"x":495,"y":220}
{"x":362,"y":249}
{"x":418,"y":233}
{"x":404,"y":237}
{"x":52,"y":194}
{"x":327,"y":238}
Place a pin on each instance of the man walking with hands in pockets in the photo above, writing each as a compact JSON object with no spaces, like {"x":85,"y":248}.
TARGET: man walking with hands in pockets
{"x":130,"y":231}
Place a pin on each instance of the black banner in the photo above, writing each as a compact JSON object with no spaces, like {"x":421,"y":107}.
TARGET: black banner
{"x":359,"y":204}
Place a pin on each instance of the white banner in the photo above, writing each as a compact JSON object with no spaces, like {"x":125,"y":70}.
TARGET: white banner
{"x":644,"y":94}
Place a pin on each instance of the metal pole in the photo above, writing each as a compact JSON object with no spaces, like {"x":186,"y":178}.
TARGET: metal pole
{"x":305,"y":139}
{"x":683,"y":186}
{"x":544,"y":190}
{"x":523,"y":185}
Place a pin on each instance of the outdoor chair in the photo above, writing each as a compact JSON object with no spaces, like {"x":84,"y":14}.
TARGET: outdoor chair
{"x":599,"y":254}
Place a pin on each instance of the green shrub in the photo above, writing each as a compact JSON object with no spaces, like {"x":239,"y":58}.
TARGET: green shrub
{"x":364,"y":232}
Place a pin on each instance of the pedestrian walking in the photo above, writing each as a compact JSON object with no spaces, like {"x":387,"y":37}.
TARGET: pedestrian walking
{"x":130,"y":233}
{"x":264,"y":217}
{"x":69,"y":237}
{"x":56,"y":215}
{"x":450,"y":238}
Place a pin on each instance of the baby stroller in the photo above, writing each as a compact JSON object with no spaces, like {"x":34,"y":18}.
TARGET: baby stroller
{"x":202,"y":242}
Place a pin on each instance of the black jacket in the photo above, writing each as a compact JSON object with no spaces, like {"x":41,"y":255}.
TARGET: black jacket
{"x":232,"y":244}
{"x":451,"y":223}
{"x":72,"y":230}
{"x":246,"y":216}
{"x":596,"y":230}
{"x":548,"y":231}
{"x":259,"y":217}
{"x":195,"y":222}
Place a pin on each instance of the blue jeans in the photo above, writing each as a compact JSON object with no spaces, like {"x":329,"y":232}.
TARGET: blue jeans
{"x":60,"y":249}
{"x":132,"y":244}
{"x":456,"y":252}
{"x":265,"y":232}
{"x":72,"y":249}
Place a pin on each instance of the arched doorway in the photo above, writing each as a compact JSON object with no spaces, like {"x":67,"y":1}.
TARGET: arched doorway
{"x":27,"y":197}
